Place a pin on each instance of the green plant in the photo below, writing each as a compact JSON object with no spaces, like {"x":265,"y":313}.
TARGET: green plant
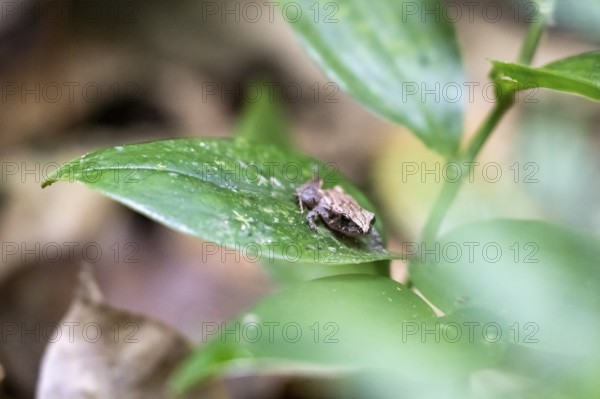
{"x":534,"y":324}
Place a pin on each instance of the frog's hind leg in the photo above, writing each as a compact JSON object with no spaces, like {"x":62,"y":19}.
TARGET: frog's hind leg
{"x":376,"y":239}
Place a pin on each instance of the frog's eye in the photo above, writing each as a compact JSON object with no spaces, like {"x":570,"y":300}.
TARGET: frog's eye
{"x":345,"y":219}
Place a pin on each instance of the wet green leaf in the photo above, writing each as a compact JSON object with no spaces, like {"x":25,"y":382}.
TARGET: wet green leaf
{"x":231,"y":192}
{"x":263,"y":122}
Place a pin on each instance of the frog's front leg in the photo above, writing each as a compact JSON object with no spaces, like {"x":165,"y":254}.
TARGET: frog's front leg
{"x":310,"y":217}
{"x":313,"y":213}
{"x":301,"y":204}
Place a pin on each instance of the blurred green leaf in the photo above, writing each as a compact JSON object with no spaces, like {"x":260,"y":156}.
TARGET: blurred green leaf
{"x":579,"y":16}
{"x":388,"y":55}
{"x":579,"y":74}
{"x":263,"y":120}
{"x":230,"y":192}
{"x":285,"y":273}
{"x":529,"y":374}
{"x":543,"y":279}
{"x":557,"y":158}
{"x":349,"y":323}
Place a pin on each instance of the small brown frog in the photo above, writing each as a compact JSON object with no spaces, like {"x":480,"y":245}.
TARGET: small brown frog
{"x":337,"y":209}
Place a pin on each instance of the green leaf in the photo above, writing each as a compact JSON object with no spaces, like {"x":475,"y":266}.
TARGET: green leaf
{"x":579,"y":16}
{"x":540,"y":374}
{"x":263,"y":120}
{"x":286,"y":274}
{"x":391,"y":56}
{"x":562,"y":178}
{"x":347,"y":323}
{"x":544,"y":280}
{"x":578,"y":75}
{"x":230,"y":192}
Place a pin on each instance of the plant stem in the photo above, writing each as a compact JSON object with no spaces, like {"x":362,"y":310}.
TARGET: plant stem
{"x":504,"y":103}
{"x":535,"y":31}
{"x":450,"y":188}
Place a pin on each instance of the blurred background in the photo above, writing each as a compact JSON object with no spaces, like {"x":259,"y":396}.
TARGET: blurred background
{"x":79,"y":76}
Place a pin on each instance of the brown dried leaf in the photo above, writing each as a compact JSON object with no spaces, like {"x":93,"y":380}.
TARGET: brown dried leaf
{"x":101,"y":352}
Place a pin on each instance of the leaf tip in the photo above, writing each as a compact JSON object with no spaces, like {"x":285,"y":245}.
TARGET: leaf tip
{"x":48,"y":182}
